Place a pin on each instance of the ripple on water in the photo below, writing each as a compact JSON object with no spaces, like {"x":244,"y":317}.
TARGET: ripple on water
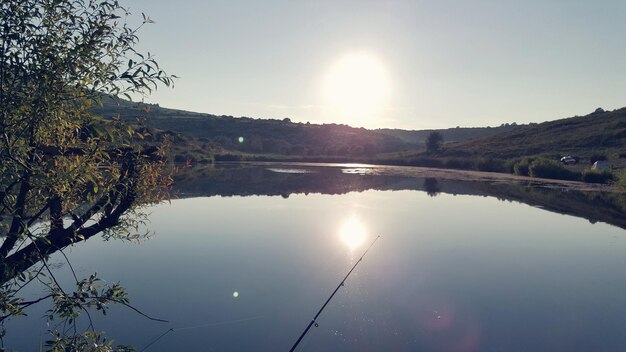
{"x":291,"y":171}
{"x":359,"y":171}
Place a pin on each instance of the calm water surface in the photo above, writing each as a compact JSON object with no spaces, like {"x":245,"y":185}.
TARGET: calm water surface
{"x":450,"y":273}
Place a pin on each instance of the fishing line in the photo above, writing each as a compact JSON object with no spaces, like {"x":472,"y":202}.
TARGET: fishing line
{"x":196,"y":327}
{"x":314,"y":321}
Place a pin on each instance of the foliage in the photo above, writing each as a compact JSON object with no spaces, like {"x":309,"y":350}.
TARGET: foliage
{"x":491,"y":165}
{"x":621,"y":178}
{"x":434,"y":142}
{"x":69,"y":306}
{"x":91,"y":341}
{"x":522,"y":166}
{"x":546,"y":168}
{"x":66,"y":174}
{"x":597,"y":176}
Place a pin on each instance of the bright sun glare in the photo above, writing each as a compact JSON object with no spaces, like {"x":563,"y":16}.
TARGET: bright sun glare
{"x":352,"y":233}
{"x":356,"y":87}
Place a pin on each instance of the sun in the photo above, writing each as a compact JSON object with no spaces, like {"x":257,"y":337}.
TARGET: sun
{"x":356,"y":88}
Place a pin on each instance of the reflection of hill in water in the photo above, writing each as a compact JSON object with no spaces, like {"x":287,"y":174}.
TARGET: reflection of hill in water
{"x":284,"y":180}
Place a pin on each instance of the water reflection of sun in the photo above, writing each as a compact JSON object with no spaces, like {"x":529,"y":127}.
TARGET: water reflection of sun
{"x":352,"y":233}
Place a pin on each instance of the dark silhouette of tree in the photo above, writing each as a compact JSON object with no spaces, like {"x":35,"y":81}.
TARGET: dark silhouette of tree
{"x":66,"y":174}
{"x":434,"y":142}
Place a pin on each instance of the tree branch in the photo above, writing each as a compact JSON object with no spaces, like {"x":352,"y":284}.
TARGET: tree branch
{"x":40,"y":248}
{"x":16,"y":223}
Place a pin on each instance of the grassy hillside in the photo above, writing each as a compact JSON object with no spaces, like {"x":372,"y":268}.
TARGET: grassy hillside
{"x":601,"y":132}
{"x":458,"y":134}
{"x":260,"y":136}
{"x":527,"y":149}
{"x":282,"y":137}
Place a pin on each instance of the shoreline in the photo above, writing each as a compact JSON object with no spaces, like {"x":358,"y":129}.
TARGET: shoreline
{"x":452,"y":174}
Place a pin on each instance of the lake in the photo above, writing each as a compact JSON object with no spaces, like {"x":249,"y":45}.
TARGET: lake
{"x":245,"y":256}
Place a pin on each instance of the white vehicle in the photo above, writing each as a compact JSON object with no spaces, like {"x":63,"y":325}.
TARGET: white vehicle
{"x":568,"y":160}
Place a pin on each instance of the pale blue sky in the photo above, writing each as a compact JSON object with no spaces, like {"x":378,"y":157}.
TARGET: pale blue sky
{"x":449,"y":63}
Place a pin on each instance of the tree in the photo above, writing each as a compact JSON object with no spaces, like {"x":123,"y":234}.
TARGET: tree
{"x":434,"y":142}
{"x":67,"y":175}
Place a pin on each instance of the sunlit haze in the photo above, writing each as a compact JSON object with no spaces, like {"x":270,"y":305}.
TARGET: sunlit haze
{"x":426,"y":63}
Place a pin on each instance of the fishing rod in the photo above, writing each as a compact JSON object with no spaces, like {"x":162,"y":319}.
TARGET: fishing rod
{"x":314,"y":321}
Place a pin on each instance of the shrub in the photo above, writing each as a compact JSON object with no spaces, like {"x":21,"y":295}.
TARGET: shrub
{"x":546,"y":168}
{"x":521,"y":167}
{"x":621,"y":178}
{"x":458,"y":163}
{"x":508,"y":165}
{"x":596,"y":176}
{"x":490,"y":164}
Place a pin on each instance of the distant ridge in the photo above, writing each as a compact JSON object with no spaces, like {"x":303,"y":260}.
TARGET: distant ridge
{"x":450,"y":135}
{"x":207,"y":137}
{"x":598,"y":132}
{"x":282,"y":136}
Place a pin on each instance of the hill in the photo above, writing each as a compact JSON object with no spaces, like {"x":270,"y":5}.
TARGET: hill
{"x":258,"y":136}
{"x":280,"y":137}
{"x":599,"y":133}
{"x":198,"y":137}
{"x":450,"y":135}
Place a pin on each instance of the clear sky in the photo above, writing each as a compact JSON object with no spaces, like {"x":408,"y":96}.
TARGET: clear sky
{"x":404,"y":63}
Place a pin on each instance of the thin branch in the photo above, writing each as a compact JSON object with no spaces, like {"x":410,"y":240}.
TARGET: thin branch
{"x":136,"y":310}
{"x":29,"y":280}
{"x":90,"y":326}
{"x":68,"y":264}
{"x":25,"y":304}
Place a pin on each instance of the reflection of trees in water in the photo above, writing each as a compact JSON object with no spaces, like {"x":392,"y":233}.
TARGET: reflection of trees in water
{"x":247,"y":179}
{"x":431,"y":186}
{"x":606,"y":207}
